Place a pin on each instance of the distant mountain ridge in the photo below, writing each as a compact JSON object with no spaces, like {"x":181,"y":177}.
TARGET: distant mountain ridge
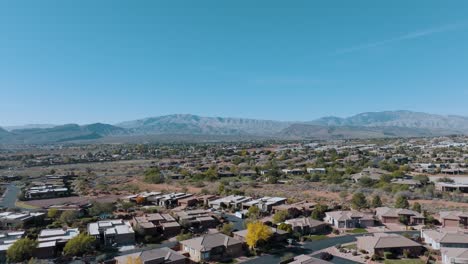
{"x":193,"y":124}
{"x":400,"y":118}
{"x":186,"y":126}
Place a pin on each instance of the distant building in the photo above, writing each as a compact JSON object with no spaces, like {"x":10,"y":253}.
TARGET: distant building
{"x":265,"y":204}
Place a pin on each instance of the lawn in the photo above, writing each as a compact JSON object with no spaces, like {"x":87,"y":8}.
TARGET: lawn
{"x":350,"y":246}
{"x":403,"y":261}
{"x":358,"y":231}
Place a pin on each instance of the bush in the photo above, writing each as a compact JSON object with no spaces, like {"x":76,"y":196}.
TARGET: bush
{"x":326,"y":256}
{"x":388,"y":255}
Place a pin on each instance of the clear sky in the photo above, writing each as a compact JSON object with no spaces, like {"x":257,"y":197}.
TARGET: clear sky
{"x":86,"y":61}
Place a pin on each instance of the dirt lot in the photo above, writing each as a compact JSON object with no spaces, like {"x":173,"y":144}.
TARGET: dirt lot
{"x":72,"y":200}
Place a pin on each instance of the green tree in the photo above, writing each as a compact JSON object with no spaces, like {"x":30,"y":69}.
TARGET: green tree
{"x":227,"y":229}
{"x":253,"y":212}
{"x":153,"y":175}
{"x":402,"y":202}
{"x":417,"y":207}
{"x":101,"y":208}
{"x":359,"y":201}
{"x":285,"y":227}
{"x":69,"y":217}
{"x":376,"y":201}
{"x":280,"y":217}
{"x":79,"y":245}
{"x":319,"y":212}
{"x":52,"y":213}
{"x":21,"y":250}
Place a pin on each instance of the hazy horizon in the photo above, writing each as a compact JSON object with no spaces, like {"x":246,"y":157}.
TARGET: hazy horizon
{"x":112,"y":61}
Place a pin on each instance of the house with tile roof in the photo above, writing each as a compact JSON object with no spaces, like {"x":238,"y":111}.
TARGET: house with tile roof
{"x":349,"y":219}
{"x":387,"y":215}
{"x":378,"y":243}
{"x":163,"y":255}
{"x":454,"y":219}
{"x":212,"y":247}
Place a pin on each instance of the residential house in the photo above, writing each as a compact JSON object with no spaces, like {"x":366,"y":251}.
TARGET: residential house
{"x":453,"y":219}
{"x":202,"y":200}
{"x":307,"y":225}
{"x":198,"y":219}
{"x":265,"y":204}
{"x":316,"y":170}
{"x":50,"y":241}
{"x":349,"y":219}
{"x":212,"y":247}
{"x":6,"y":240}
{"x":231,"y":201}
{"x":378,"y":243}
{"x":156,"y":224}
{"x":163,"y":255}
{"x":112,"y":232}
{"x":302,"y":207}
{"x":387,"y":215}
{"x":454,"y":255}
{"x":21,"y":219}
{"x":438,"y":239}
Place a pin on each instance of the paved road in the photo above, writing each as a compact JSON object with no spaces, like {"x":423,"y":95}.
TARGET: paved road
{"x":11,"y":192}
{"x":310,"y":247}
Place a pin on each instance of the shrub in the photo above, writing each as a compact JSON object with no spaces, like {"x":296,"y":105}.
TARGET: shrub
{"x":388,"y":255}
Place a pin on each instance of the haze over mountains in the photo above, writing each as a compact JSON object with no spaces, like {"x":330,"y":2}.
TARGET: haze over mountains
{"x":185,"y":127}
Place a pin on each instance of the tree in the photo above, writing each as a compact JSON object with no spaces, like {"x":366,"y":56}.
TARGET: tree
{"x":21,"y":250}
{"x":280,"y":217}
{"x":359,"y":201}
{"x":417,"y":207}
{"x":140,"y":200}
{"x":423,"y":179}
{"x":52,"y":213}
{"x":285,"y":227}
{"x":257,"y":231}
{"x":253,"y":212}
{"x":101,"y":208}
{"x":227,"y":229}
{"x":153,"y":175}
{"x":366,"y":181}
{"x":402,"y":202}
{"x":376,"y":201}
{"x":69,"y":217}
{"x":79,"y":245}
{"x":319,"y":212}
{"x":133,"y":260}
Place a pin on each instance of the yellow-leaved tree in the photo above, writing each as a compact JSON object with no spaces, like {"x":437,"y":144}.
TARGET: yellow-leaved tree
{"x":257,"y":231}
{"x":133,"y":260}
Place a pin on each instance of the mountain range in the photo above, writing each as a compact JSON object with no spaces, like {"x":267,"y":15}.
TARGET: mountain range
{"x":186,"y":127}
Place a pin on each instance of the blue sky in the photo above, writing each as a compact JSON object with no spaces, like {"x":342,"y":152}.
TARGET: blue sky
{"x":110,"y":61}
